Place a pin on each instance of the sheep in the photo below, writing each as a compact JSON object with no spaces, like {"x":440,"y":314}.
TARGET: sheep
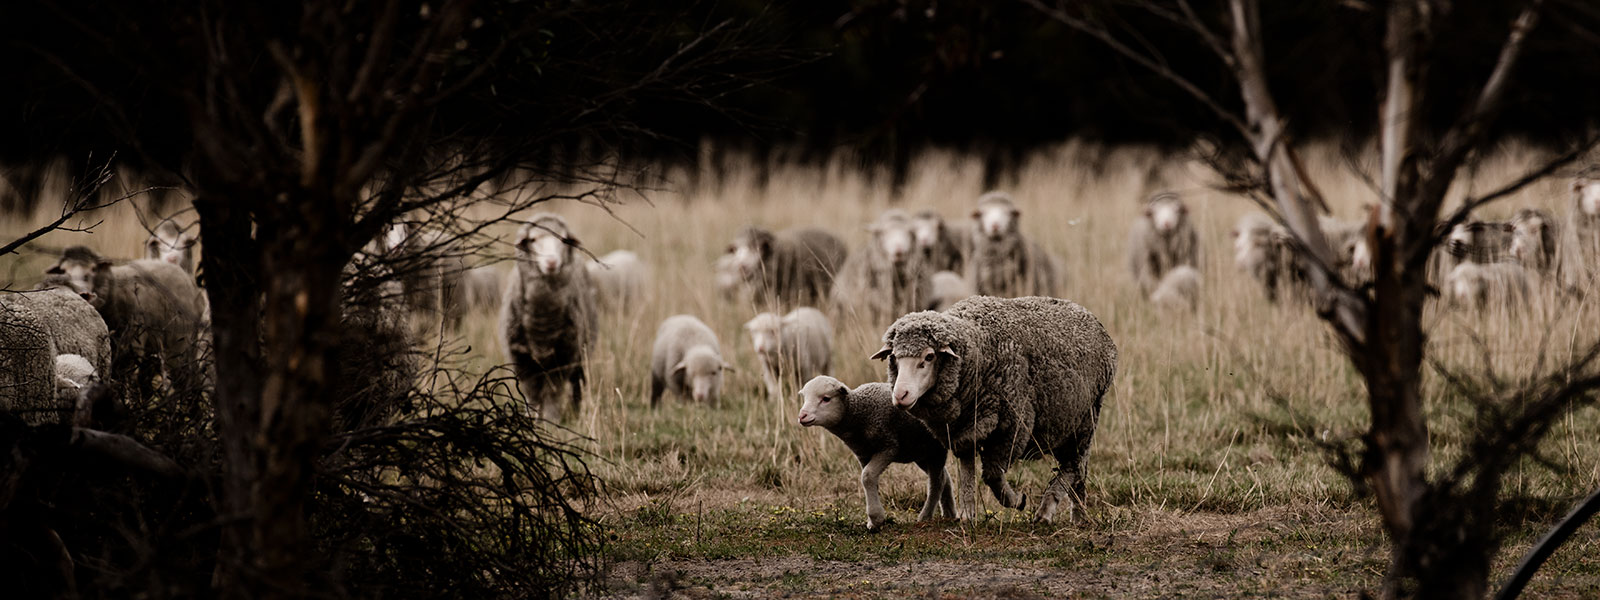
{"x":791,"y":349}
{"x":619,"y":279}
{"x":74,"y":371}
{"x":1478,"y":241}
{"x":946,"y":288}
{"x":1178,"y":290}
{"x":791,"y":268}
{"x":1161,"y":239}
{"x":170,"y":243}
{"x":1534,"y":239}
{"x":154,"y":312}
{"x":1581,"y":241}
{"x":75,"y":326}
{"x":1265,"y":250}
{"x":942,"y":248}
{"x":1004,"y":262}
{"x":483,"y":288}
{"x":547,"y":316}
{"x":866,"y":420}
{"x":727,"y":277}
{"x":1488,"y":285}
{"x":1005,"y":380}
{"x":431,"y":270}
{"x":886,"y":278}
{"x":1352,"y":253}
{"x":688,"y":360}
{"x":27,"y":362}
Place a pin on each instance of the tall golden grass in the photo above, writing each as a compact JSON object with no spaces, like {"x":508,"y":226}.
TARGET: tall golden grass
{"x":1211,"y":411}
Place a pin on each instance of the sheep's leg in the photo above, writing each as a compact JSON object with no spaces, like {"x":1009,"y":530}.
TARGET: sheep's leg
{"x":769,"y":376}
{"x":1067,"y":485}
{"x":869,"y":486}
{"x":995,"y":464}
{"x":576,"y":380}
{"x":657,"y":386}
{"x":967,"y":471}
{"x":937,"y":482}
{"x":947,"y":496}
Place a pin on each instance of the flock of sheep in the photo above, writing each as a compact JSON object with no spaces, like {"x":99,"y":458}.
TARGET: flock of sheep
{"x":982,"y":359}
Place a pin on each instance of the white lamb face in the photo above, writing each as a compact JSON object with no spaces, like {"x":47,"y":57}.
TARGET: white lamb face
{"x":1166,"y":215}
{"x":822,"y":402}
{"x":746,"y":257}
{"x":926,"y":232}
{"x":764,"y":333}
{"x":995,"y":219}
{"x":916,"y":373}
{"x":702,"y":371}
{"x":166,"y":247}
{"x":895,"y":240}
{"x":546,"y":249}
{"x":1588,"y":191}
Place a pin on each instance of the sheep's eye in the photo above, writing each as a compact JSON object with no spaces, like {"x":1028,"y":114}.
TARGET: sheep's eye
{"x":825,"y":399}
{"x":732,"y":249}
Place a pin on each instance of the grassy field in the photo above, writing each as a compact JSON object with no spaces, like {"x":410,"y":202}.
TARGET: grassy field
{"x":1205,"y":478}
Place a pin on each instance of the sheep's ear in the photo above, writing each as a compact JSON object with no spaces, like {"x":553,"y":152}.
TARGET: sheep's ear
{"x":102,"y":264}
{"x":1016,"y":212}
{"x":55,"y":270}
{"x":1577,"y":185}
{"x":1508,"y":227}
{"x":681,"y":367}
{"x":87,"y":296}
{"x":1149,"y":211}
{"x":153,"y":243}
{"x":977,"y":214}
{"x":945,"y":350}
{"x":186,"y":240}
{"x":1233,"y":234}
{"x":882,"y":354}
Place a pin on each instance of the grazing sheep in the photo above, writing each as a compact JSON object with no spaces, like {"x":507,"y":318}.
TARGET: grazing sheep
{"x":155,"y":315}
{"x":1178,"y":290}
{"x":1535,"y":236}
{"x":75,"y":325}
{"x":1264,"y":250}
{"x":1161,"y":239}
{"x":947,"y":288}
{"x":791,"y":349}
{"x":688,"y":360}
{"x":879,"y":434}
{"x":791,"y":268}
{"x":27,"y":362}
{"x":885,"y":278}
{"x":547,"y":318}
{"x":619,"y":279}
{"x":1005,"y":380}
{"x":1003,"y":261}
{"x":171,"y":244}
{"x":1488,"y":285}
{"x":484,"y":286}
{"x":941,"y":248}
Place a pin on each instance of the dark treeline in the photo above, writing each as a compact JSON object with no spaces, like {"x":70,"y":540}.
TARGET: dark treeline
{"x":885,"y":78}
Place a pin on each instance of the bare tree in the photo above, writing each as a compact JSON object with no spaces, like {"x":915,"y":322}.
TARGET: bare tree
{"x":1442,"y":530}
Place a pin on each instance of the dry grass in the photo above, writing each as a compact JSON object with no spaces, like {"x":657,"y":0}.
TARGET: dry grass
{"x":1209,"y":415}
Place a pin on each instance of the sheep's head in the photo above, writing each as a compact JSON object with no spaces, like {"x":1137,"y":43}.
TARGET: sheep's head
{"x":750,"y":249}
{"x":172,"y":245}
{"x":1252,"y":240}
{"x":75,"y":269}
{"x":824,"y":402}
{"x":894,"y":236}
{"x":546,"y":243}
{"x":925,"y":351}
{"x":1586,"y":193}
{"x":926,"y":229}
{"x":766,"y":331}
{"x":701,"y":369}
{"x":1533,"y":238}
{"x":1166,"y":212}
{"x":996,"y":215}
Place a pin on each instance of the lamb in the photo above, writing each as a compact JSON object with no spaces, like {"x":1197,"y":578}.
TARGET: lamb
{"x":1179,"y":290}
{"x":946,"y":289}
{"x":1534,"y":238}
{"x":791,"y":268}
{"x":154,"y":313}
{"x":866,"y":420}
{"x":886,"y":278}
{"x":547,"y":317}
{"x":688,"y":360}
{"x":1265,"y":250}
{"x":1161,"y":239}
{"x":941,"y":248}
{"x":1003,"y":261}
{"x":619,"y":279}
{"x":171,"y":244}
{"x":483,"y":287}
{"x":1488,"y":285}
{"x":27,"y":362}
{"x":791,"y":349}
{"x":1005,"y":380}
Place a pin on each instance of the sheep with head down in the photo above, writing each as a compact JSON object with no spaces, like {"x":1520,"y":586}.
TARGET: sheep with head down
{"x":688,"y":360}
{"x":1005,"y":380}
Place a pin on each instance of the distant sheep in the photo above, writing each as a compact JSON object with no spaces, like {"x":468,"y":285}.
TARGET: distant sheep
{"x":944,"y":247}
{"x":792,"y":348}
{"x":1005,"y":380}
{"x":547,"y":317}
{"x":879,"y":434}
{"x":885,"y":278}
{"x":1265,"y":251}
{"x":686,"y":359}
{"x":1161,"y":239}
{"x":1178,"y":290}
{"x":1479,"y":241}
{"x":1351,"y":251}
{"x":791,"y":268}
{"x":619,"y":279}
{"x":1535,"y":239}
{"x":171,"y":244}
{"x":1004,"y":262}
{"x":947,"y":288}
{"x":1581,"y":241}
{"x":1492,"y":285}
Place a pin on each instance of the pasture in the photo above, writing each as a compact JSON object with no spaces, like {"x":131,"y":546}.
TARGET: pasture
{"x":1208,"y":475}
